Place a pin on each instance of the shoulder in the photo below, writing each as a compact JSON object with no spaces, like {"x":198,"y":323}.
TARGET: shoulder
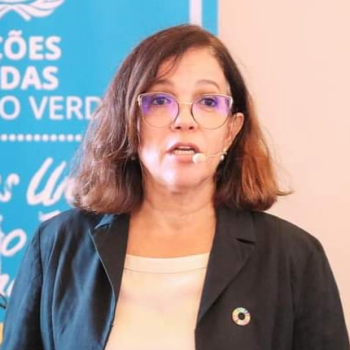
{"x":293,"y":242}
{"x":274,"y":238}
{"x":274,"y":227}
{"x":65,"y":232}
{"x":71,"y":220}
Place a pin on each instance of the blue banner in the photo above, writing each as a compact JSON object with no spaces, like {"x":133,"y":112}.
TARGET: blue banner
{"x":56,"y":60}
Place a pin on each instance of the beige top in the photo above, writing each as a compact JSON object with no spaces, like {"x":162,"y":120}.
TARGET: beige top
{"x":158,"y":303}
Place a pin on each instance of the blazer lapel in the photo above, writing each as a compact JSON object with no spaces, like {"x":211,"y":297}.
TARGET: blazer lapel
{"x":232,"y":246}
{"x":110,"y":237}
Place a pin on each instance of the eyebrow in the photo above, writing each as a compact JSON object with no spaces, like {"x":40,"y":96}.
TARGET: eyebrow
{"x":199,"y":82}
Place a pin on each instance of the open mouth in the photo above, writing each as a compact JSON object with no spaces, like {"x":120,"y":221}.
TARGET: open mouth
{"x":183,"y":151}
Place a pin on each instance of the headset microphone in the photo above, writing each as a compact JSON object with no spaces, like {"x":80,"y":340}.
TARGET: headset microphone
{"x":201,"y":157}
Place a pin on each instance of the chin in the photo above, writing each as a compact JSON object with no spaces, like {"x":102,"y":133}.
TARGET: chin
{"x":186,"y":182}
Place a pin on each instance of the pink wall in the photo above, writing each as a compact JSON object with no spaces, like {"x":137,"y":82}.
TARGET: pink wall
{"x":295,"y":55}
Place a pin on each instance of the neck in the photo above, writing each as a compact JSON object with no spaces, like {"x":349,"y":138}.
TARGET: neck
{"x":178,"y":211}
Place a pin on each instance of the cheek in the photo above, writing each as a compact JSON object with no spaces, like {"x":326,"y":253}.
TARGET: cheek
{"x":216,"y":140}
{"x":150,"y":149}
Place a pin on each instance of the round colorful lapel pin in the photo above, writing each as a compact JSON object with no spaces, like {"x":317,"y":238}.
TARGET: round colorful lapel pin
{"x":241,"y":316}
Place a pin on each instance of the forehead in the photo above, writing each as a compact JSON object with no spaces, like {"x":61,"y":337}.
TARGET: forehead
{"x":196,"y":65}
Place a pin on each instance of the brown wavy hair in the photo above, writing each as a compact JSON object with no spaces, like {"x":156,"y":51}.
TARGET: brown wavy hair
{"x":107,"y":176}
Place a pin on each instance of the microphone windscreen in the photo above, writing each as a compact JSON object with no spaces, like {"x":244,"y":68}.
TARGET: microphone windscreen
{"x":199,"y":158}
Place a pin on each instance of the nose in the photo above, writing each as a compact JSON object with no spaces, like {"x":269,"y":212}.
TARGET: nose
{"x":184,"y":119}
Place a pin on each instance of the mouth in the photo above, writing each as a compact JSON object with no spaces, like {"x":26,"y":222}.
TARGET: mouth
{"x":183,"y":149}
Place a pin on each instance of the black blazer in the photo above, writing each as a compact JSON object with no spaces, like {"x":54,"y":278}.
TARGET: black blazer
{"x":66,"y":291}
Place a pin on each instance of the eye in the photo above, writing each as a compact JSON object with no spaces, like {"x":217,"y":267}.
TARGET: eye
{"x":160,"y":100}
{"x":208,"y":101}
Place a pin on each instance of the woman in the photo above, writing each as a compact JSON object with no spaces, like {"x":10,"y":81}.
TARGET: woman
{"x":169,"y":247}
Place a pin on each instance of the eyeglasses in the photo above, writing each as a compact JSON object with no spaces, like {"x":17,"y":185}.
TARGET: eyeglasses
{"x":160,"y":109}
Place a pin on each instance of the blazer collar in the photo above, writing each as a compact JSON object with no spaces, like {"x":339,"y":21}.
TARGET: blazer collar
{"x":233,"y":244}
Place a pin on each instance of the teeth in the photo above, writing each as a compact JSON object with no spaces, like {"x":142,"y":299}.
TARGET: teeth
{"x":183,"y":151}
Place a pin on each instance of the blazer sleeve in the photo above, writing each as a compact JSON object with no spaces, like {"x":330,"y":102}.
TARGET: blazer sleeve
{"x":22,"y":318}
{"x":319,"y":322}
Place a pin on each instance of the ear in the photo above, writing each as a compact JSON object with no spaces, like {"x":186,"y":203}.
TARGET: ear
{"x":235,"y":124}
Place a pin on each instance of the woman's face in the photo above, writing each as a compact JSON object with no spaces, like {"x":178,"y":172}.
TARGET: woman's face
{"x":164,"y":163}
